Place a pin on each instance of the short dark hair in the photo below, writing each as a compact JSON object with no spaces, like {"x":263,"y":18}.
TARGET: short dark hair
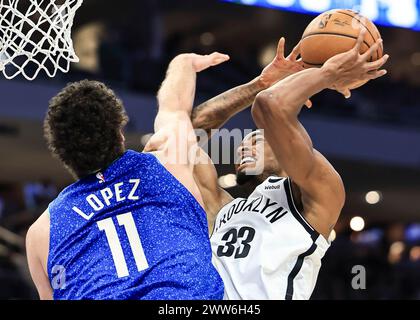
{"x":83,"y":127}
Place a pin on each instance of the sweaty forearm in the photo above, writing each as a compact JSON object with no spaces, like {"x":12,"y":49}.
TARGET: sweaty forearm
{"x":215,"y":112}
{"x":178,"y":89}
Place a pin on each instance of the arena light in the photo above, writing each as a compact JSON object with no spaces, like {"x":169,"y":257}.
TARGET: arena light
{"x":415,"y":59}
{"x":373,"y":197}
{"x":395,"y":252}
{"x":267,"y":54}
{"x":207,"y":39}
{"x":357,"y":224}
{"x":415,"y":253}
{"x":333,"y":236}
{"x":249,"y":2}
{"x":228,"y":181}
{"x":316,"y":6}
{"x":412,"y":233}
{"x":87,"y":40}
{"x":404,"y":13}
{"x":370,"y":10}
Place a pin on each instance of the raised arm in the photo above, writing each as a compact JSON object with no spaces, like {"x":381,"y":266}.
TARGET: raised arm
{"x":215,"y":112}
{"x":176,"y":95}
{"x":276,"y":110}
{"x":174,"y":136}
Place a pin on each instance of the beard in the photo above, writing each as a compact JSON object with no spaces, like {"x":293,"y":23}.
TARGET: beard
{"x":242,"y":178}
{"x":252,"y":180}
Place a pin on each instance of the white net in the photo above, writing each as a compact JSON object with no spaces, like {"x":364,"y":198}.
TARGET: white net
{"x":35,"y":35}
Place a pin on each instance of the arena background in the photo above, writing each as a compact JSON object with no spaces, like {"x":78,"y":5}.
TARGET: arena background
{"x":373,"y":139}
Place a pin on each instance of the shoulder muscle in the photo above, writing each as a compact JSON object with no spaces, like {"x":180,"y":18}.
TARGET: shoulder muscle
{"x":37,"y":245}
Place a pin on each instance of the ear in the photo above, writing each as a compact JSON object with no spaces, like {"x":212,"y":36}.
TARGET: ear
{"x":122,"y":136}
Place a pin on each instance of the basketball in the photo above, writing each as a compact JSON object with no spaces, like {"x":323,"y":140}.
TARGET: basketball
{"x":334,"y":32}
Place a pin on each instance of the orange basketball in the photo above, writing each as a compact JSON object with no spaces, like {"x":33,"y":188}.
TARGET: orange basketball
{"x":334,"y":32}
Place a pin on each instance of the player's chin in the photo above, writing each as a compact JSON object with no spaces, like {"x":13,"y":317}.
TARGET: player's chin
{"x":245,"y":175}
{"x":248,"y":167}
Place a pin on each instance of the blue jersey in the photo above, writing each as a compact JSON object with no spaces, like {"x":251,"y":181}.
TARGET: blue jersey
{"x":132,"y":231}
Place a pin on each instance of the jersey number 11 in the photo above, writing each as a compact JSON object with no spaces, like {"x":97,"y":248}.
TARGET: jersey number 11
{"x":127,"y":221}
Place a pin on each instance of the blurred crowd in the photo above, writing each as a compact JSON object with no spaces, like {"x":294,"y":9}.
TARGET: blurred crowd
{"x":20,"y":206}
{"x":390,"y":256}
{"x":384,"y":101}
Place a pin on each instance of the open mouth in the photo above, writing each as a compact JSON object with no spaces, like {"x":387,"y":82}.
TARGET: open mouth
{"x":248,"y":159}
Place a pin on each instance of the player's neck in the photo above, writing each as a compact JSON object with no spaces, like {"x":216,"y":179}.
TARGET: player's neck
{"x":95,"y":171}
{"x":251,"y":185}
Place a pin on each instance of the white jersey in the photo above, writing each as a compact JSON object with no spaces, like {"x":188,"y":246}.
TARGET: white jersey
{"x":264,"y":249}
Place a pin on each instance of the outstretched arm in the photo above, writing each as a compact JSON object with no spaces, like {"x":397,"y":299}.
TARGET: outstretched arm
{"x":176,"y":95}
{"x":174,"y":137}
{"x":276,"y":110}
{"x":215,"y":112}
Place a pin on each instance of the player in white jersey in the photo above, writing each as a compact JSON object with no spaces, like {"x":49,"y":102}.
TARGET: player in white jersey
{"x":270,"y":245}
{"x":263,"y":246}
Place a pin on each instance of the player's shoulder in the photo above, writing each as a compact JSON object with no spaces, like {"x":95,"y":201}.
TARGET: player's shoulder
{"x":37,"y":250}
{"x":39,"y":230}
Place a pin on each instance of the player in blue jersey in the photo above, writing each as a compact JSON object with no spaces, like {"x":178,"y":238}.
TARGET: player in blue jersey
{"x":133,"y":225}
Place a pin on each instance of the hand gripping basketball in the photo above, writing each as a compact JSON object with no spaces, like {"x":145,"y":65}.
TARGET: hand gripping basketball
{"x":352,"y":67}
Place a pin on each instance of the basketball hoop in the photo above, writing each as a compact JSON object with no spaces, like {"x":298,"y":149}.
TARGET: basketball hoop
{"x":35,"y":35}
